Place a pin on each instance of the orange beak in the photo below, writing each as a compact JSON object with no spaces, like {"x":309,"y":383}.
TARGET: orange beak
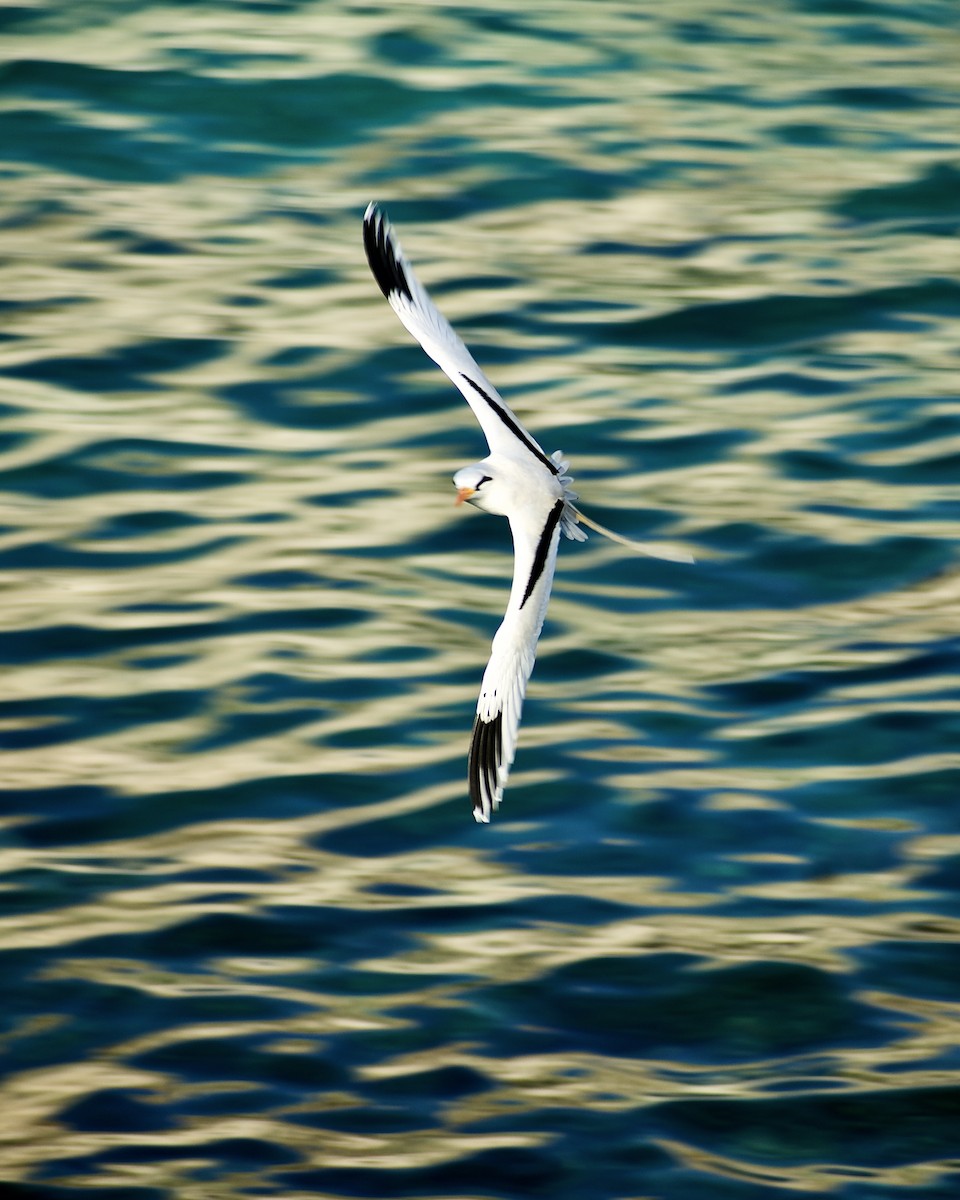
{"x":464,"y":494}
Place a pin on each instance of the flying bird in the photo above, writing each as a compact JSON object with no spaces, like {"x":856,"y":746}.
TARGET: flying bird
{"x":516,"y":480}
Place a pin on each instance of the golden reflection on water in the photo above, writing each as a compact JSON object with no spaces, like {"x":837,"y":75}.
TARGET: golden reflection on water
{"x":361,"y":509}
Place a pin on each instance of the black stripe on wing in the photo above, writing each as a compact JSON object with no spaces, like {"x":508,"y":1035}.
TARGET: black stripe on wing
{"x":486,"y":756}
{"x":511,"y":424}
{"x":543,"y":549}
{"x":384,"y":262}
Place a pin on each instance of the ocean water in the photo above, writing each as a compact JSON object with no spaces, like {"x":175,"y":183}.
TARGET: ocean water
{"x":251,"y":941}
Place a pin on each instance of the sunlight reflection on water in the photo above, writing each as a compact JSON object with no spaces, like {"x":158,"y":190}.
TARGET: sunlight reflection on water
{"x":253,"y":941}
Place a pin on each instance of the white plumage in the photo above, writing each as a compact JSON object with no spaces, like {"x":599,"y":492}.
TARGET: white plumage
{"x":516,"y":480}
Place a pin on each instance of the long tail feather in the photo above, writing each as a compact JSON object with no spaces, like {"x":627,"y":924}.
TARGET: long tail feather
{"x":669,"y":553}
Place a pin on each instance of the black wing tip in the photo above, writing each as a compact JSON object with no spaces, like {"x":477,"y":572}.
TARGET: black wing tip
{"x":486,"y":757}
{"x":383,"y":252}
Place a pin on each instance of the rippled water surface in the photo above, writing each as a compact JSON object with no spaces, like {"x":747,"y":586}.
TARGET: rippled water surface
{"x":252,"y":942}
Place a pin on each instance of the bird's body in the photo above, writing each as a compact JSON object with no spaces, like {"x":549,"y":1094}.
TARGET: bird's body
{"x":516,"y":480}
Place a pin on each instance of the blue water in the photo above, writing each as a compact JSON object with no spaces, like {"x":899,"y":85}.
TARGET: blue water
{"x":251,"y":940}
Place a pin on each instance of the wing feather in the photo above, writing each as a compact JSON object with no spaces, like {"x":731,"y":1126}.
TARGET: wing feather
{"x":512,"y":656}
{"x":420,"y":316}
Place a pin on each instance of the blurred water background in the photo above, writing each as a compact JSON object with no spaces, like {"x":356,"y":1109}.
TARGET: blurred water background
{"x":251,"y":941}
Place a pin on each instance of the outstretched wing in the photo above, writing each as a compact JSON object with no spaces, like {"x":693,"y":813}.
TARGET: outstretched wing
{"x":514,"y":649}
{"x":421,"y":317}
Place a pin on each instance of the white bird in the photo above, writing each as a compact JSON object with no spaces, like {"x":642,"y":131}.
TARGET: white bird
{"x":516,"y":480}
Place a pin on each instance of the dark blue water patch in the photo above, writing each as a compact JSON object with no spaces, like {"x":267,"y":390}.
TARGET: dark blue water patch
{"x":876,"y":98}
{"x":657,"y":1005}
{"x":799,"y":686}
{"x":347,"y":979}
{"x":405,"y":47}
{"x":930,"y":197}
{"x":505,"y":1172}
{"x":729,"y":95}
{"x":294,"y":356}
{"x":272,"y":687}
{"x":885,"y":516}
{"x":871,"y":1129}
{"x":398,"y":654}
{"x":43,"y":556}
{"x":12,"y":440}
{"x":34,"y":213}
{"x":125,"y":369}
{"x":583,"y":662}
{"x":244,"y":1058}
{"x":622,"y":858}
{"x":79,"y":641}
{"x":115,"y":1110}
{"x":19,"y":18}
{"x":796,"y":382}
{"x":785,"y":689}
{"x":705,"y":848}
{"x":39,"y":1189}
{"x":138,"y":524}
{"x":173,"y":607}
{"x":900,"y":424}
{"x":40,"y":138}
{"x":422,"y":1028}
{"x":304,"y":277}
{"x":462,"y":284}
{"x":131,"y":241}
{"x":274,"y":111}
{"x":365,"y":1120}
{"x":829,"y":464}
{"x":426,"y":1090}
{"x":860,"y":741}
{"x":190,"y":943}
{"x":671,"y":453}
{"x":222,"y":123}
{"x":48,"y":806}
{"x":534,"y":179}
{"x":352,"y":498}
{"x":440,"y":824}
{"x":923,"y":798}
{"x":789,"y":573}
{"x":789,"y":320}
{"x":469,"y":531}
{"x":931,"y":968}
{"x":224,"y":1102}
{"x":676,"y":250}
{"x":156,"y":247}
{"x":712,"y":33}
{"x":221,"y":1156}
{"x":604,"y":1153}
{"x":238,"y":728}
{"x":806,"y":133}
{"x":392,"y":888}
{"x":296,"y":404}
{"x":44,"y":889}
{"x":245,"y":300}
{"x":81,"y":815}
{"x":98,"y":1015}
{"x":279,"y":581}
{"x":944,"y":877}
{"x":50,"y":721}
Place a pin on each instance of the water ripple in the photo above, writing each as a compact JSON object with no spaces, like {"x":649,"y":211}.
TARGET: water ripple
{"x":253,"y":942}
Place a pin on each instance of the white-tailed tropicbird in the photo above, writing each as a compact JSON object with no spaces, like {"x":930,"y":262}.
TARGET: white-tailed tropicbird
{"x":517,"y":481}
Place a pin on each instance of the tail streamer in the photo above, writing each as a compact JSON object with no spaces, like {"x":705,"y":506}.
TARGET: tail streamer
{"x":652,"y":550}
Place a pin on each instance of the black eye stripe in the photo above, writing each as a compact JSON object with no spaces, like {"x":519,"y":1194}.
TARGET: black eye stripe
{"x":484,"y":479}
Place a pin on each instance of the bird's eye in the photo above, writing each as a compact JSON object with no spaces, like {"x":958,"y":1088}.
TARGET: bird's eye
{"x":482,"y":480}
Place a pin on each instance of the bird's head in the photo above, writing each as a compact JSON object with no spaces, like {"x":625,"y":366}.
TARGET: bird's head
{"x":473,"y":484}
